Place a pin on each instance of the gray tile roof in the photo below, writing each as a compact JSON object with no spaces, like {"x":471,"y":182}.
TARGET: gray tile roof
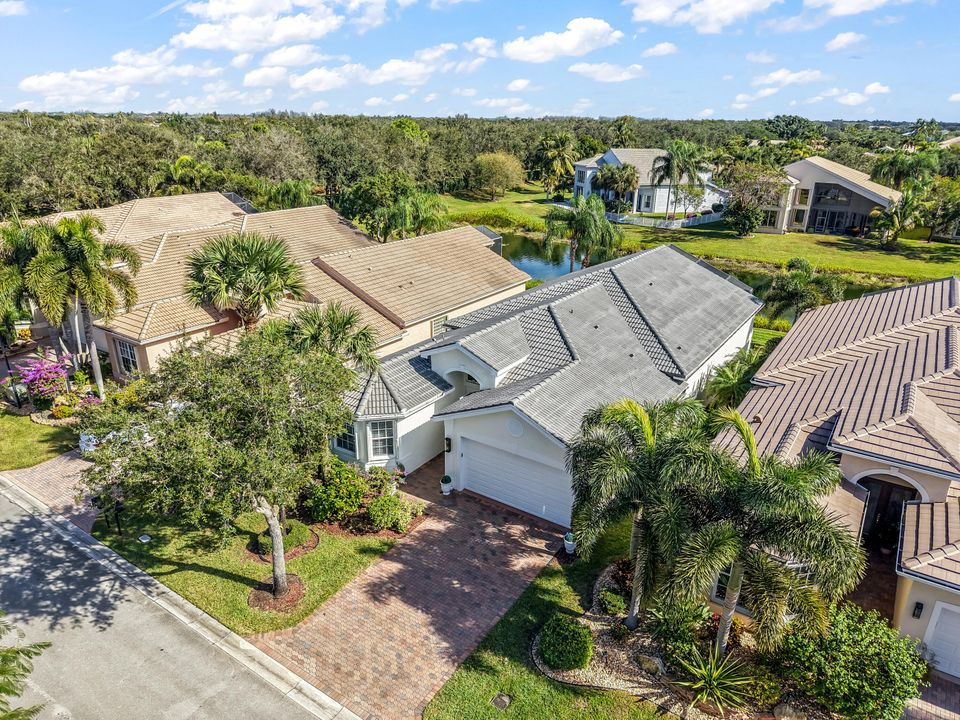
{"x":404,"y":381}
{"x":600,"y":334}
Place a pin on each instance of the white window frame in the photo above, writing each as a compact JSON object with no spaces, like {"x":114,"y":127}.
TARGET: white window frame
{"x":375,"y":426}
{"x":122,"y":347}
{"x":349,"y":431}
{"x":436,"y":325}
{"x":647,"y":201}
{"x":801,"y":200}
{"x":799,"y":216}
{"x":767,"y":214}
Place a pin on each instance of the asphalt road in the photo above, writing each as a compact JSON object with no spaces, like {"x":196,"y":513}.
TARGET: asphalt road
{"x":115,"y":654}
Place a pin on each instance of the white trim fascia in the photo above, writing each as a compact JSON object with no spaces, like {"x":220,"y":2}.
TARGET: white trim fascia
{"x":893,"y":471}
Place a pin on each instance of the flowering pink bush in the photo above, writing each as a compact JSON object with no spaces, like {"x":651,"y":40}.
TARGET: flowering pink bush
{"x":44,"y":377}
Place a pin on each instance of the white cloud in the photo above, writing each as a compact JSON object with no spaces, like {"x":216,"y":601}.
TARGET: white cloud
{"x":761,"y":57}
{"x":319,"y":105}
{"x":832,"y":92}
{"x":954,"y":98}
{"x":218,"y":95}
{"x":888,"y":20}
{"x":405,"y":72}
{"x":400,"y":97}
{"x":265,"y":77}
{"x":706,"y":16}
{"x":484,"y":46}
{"x":876,"y":88}
{"x":705,"y":113}
{"x":664,"y":48}
{"x":9,"y":8}
{"x":518,"y":85}
{"x":322,"y":79}
{"x":743,"y":99}
{"x":840,"y":8}
{"x":607,"y":72}
{"x":510,"y":106}
{"x":844,"y":40}
{"x":429,"y":98}
{"x":784,"y":77}
{"x":435,"y":53}
{"x":242,"y":60}
{"x":581,"y":36}
{"x":853,"y":98}
{"x":295,"y":55}
{"x":465,"y":67}
{"x":581,"y":106}
{"x":244,"y":32}
{"x":465,"y":92}
{"x":111,"y":86}
{"x":374,"y":102}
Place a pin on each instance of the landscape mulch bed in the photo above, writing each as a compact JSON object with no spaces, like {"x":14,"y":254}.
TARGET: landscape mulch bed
{"x":357,"y":526}
{"x":289,"y":555}
{"x":262,"y":598}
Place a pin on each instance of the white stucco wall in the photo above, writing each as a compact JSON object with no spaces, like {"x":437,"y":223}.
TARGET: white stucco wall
{"x":740,"y":339}
{"x":418,"y":439}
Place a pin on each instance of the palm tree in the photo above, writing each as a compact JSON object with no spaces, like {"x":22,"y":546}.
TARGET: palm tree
{"x":16,"y":664}
{"x":905,"y":214}
{"x":427,"y":213}
{"x":681,"y":159}
{"x":75,"y":269}
{"x":898,"y":168}
{"x":620,"y":180}
{"x":289,"y":194}
{"x":555,"y":155}
{"x":764,"y":525}
{"x":730,"y":382}
{"x":183,"y":176}
{"x":624,"y":461}
{"x":621,"y":132}
{"x":17,"y":249}
{"x":802,"y":287}
{"x":244,"y":272}
{"x":585,"y":223}
{"x":335,"y":330}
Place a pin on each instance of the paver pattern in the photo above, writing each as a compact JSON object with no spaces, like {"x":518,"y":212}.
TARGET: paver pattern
{"x":54,"y":482}
{"x":386,"y":643}
{"x":940,"y":701}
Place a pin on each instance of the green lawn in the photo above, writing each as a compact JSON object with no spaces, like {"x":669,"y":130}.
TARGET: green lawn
{"x":916,"y":259}
{"x":24,"y":443}
{"x":501,"y":662}
{"x":218,"y":579}
{"x":761,"y":336}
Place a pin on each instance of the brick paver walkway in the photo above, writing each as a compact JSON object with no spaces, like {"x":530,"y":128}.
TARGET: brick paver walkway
{"x":54,"y":482}
{"x":940,"y":701}
{"x":388,"y":641}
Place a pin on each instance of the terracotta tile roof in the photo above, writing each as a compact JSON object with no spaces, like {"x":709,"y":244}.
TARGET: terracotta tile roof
{"x":419,"y":278}
{"x":930,"y":541}
{"x":854,"y":177}
{"x":875,"y":376}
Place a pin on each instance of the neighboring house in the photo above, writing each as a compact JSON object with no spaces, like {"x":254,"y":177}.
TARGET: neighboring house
{"x":503,"y":392}
{"x":647,"y":198}
{"x":823,"y":196}
{"x":876,"y":382}
{"x":405,"y":290}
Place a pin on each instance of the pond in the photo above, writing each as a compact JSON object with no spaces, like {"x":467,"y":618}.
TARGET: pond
{"x":548,"y":261}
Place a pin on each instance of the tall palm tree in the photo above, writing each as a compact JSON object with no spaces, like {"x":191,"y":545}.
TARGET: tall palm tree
{"x":621,"y":132}
{"x":681,"y":159}
{"x":555,"y":153}
{"x":729,"y":383}
{"x":905,"y":214}
{"x":802,"y":287}
{"x":624,"y":461}
{"x":184,"y":175}
{"x":244,"y":272}
{"x":336,"y":331}
{"x":898,"y":168}
{"x":17,"y":249}
{"x":76,"y":269}
{"x":763,"y":523}
{"x":585,"y":223}
{"x":426,"y":213}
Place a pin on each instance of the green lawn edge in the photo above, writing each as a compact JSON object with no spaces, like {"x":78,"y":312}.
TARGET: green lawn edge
{"x":24,"y":443}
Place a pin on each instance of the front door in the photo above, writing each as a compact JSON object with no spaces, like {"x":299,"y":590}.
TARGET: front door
{"x":881,"y":527}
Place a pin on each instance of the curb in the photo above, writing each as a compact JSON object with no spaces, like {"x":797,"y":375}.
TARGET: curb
{"x":258,"y":662}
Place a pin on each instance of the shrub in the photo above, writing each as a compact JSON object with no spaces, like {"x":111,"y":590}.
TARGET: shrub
{"x":765,"y":687}
{"x":736,"y":630}
{"x":675,"y":626}
{"x":761,"y":321}
{"x":380,"y":480}
{"x":565,"y":644}
{"x":861,"y":668}
{"x":24,"y":335}
{"x":295,"y":535}
{"x":780,"y":325}
{"x":717,"y":207}
{"x":623,"y":575}
{"x":743,"y":219}
{"x":338,"y":495}
{"x":499,"y":219}
{"x":62,"y":412}
{"x":612,"y":603}
{"x":620,"y":632}
{"x":722,"y":682}
{"x":392,"y":512}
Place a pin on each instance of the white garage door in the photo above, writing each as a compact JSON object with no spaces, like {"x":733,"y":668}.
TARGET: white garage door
{"x":943,"y":640}
{"x":525,"y":484}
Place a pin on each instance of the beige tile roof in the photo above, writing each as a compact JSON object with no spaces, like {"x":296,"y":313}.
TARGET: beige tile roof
{"x":930,"y":541}
{"x":854,"y":177}
{"x":876,"y":376}
{"x":309,"y":232}
{"x":419,"y":278}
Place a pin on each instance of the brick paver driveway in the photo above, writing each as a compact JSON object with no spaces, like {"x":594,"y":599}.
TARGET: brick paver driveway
{"x":388,"y":641}
{"x":940,"y":701}
{"x":54,"y":483}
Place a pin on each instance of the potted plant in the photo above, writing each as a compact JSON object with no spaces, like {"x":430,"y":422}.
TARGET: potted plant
{"x":446,"y":484}
{"x":568,"y":543}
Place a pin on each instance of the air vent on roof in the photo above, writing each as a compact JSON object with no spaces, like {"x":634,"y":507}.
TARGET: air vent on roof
{"x":758,"y":419}
{"x":596,"y":327}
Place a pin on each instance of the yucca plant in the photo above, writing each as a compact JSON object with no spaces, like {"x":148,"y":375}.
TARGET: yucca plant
{"x":718,"y":680}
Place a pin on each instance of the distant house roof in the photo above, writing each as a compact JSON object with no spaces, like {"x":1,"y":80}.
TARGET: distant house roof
{"x":590,"y":162}
{"x":951,"y":142}
{"x":856,"y":178}
{"x":877,"y":377}
{"x":638,"y":326}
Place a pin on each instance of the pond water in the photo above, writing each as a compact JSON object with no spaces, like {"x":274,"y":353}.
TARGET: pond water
{"x":548,"y":261}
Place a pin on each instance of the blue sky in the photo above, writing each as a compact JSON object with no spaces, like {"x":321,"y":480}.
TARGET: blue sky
{"x":850,"y":59}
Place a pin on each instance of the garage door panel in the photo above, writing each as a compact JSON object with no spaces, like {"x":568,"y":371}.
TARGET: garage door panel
{"x":525,"y":484}
{"x":944,"y":641}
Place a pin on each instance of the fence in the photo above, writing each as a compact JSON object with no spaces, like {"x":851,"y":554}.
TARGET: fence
{"x":664,"y":224}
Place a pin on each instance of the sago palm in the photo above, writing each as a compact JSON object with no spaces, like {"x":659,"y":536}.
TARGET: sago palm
{"x":624,"y":461}
{"x":586,"y":225}
{"x":76,"y":269}
{"x":244,"y":272}
{"x":763,"y":522}
{"x":336,"y":331}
